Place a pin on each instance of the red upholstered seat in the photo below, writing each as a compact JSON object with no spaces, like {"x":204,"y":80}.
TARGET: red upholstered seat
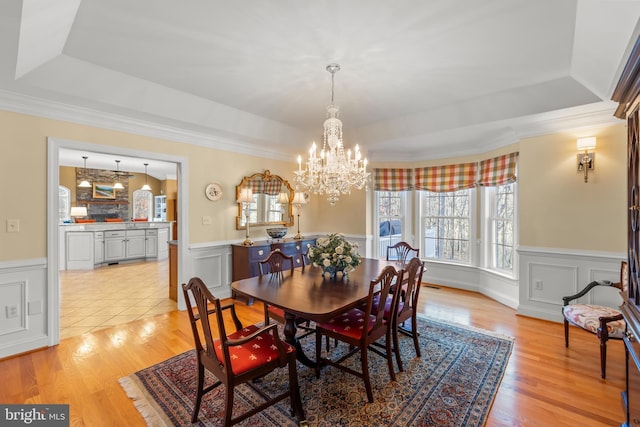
{"x":350,"y":324}
{"x":252,"y":354}
{"x":387,"y":307}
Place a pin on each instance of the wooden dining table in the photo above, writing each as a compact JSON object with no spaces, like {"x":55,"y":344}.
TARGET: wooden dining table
{"x":307,"y":293}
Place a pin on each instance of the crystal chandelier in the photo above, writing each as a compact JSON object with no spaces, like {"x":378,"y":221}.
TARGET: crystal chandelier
{"x":334,"y":171}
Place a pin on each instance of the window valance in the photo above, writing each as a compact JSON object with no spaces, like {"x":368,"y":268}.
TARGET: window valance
{"x":498,"y":171}
{"x":446,"y":178}
{"x":392,"y":179}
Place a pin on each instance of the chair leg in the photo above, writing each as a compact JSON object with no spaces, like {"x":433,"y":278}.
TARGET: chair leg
{"x":603,"y":358}
{"x":199,"y":392}
{"x":392,"y":372}
{"x":566,"y":333}
{"x":365,"y":373}
{"x":228,"y":406}
{"x":396,"y":348}
{"x":414,"y":329}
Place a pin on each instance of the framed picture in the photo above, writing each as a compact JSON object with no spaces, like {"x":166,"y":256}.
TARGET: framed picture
{"x":103,"y":191}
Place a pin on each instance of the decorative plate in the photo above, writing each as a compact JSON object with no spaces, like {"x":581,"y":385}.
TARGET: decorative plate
{"x":213,"y":191}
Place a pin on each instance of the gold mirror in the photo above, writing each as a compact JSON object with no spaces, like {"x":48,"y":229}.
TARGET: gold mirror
{"x":271,"y":204}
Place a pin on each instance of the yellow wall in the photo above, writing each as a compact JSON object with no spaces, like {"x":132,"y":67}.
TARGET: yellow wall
{"x":24,"y":140}
{"x":557,"y":209}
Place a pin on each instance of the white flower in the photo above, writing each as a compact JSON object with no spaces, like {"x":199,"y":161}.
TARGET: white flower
{"x":340,"y":249}
{"x":348,"y":259}
{"x":326,"y":262}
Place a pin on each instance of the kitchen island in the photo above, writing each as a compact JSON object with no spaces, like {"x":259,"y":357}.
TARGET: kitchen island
{"x":84,"y":246}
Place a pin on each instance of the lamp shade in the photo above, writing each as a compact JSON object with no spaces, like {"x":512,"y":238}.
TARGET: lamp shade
{"x":78,"y":211}
{"x":283,"y":198}
{"x":299,"y":199}
{"x":118,"y":186}
{"x":588,"y":143}
{"x":246,"y":196}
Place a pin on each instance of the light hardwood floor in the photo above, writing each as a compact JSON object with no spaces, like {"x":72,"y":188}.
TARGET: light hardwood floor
{"x":545,"y":384}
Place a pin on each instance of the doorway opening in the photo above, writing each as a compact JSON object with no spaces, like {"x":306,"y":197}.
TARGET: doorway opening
{"x":54,"y":236}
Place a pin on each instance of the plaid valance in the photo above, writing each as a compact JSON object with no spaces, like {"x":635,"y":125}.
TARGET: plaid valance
{"x":392,"y":179}
{"x":267,"y":186}
{"x":499,"y":170}
{"x":446,"y":178}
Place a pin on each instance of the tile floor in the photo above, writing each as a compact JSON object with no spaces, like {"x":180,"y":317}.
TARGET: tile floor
{"x":111,"y":295}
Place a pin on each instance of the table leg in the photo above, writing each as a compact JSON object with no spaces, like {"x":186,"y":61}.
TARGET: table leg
{"x":290,"y":329}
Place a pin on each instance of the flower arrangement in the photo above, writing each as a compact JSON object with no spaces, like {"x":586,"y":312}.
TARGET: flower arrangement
{"x":334,"y":253}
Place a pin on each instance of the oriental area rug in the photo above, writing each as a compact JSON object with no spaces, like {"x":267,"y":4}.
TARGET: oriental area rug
{"x":452,"y":384}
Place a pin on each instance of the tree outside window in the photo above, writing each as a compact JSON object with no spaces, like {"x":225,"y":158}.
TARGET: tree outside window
{"x":500,"y":222}
{"x":446,"y":225}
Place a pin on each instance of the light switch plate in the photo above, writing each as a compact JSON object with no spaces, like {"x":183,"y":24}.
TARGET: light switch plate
{"x":13,"y":225}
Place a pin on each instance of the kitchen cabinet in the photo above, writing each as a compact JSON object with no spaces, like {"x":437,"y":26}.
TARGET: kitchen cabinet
{"x":160,"y":208}
{"x":114,"y":242}
{"x":151,"y":243}
{"x":86,"y":249}
{"x":98,"y":247}
{"x":163,"y":244}
{"x":79,"y":250}
{"x":124,"y":244}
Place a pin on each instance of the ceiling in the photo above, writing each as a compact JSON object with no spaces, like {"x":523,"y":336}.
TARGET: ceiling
{"x":419,"y":79}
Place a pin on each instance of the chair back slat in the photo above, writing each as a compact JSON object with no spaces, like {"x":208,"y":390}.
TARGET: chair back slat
{"x":401,"y":251}
{"x":203,"y":297}
{"x":381,"y":288}
{"x":277,"y":262}
{"x":410,"y":291}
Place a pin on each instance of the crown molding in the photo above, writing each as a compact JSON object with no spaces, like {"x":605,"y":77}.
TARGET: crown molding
{"x":19,"y":103}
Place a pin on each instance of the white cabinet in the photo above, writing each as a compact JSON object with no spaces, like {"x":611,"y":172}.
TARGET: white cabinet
{"x":160,"y":208}
{"x":135,"y":244}
{"x":163,"y":243}
{"x":114,"y":245}
{"x":121,"y":244}
{"x":98,"y":247}
{"x":151,"y":243}
{"x":86,"y":249}
{"x":79,"y":250}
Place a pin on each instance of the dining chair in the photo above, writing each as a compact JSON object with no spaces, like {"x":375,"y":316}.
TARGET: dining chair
{"x":276,"y":263}
{"x":606,"y":322}
{"x":401,"y":251}
{"x":360,"y":329}
{"x":402,"y":306}
{"x":239,"y":357}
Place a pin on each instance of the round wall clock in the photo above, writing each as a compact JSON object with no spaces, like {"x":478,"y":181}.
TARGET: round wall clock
{"x":213,"y":191}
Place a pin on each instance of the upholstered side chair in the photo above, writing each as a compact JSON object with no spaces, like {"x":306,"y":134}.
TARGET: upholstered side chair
{"x":239,"y":357}
{"x":605,"y":322}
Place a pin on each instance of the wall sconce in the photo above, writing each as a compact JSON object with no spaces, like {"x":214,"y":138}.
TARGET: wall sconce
{"x":246,"y":197}
{"x":298,"y":200}
{"x":78,"y":211}
{"x":586,"y":159}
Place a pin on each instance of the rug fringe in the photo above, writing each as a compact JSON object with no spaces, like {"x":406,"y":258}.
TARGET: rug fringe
{"x":146,"y":408}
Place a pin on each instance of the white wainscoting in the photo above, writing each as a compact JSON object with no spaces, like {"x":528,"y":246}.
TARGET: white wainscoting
{"x":23,"y":291}
{"x":546,"y":275}
{"x":212,"y":262}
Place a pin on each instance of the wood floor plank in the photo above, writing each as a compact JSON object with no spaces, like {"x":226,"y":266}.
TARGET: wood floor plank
{"x":545,"y":384}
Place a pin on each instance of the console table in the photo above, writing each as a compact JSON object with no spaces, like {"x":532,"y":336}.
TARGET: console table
{"x":245,"y":258}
